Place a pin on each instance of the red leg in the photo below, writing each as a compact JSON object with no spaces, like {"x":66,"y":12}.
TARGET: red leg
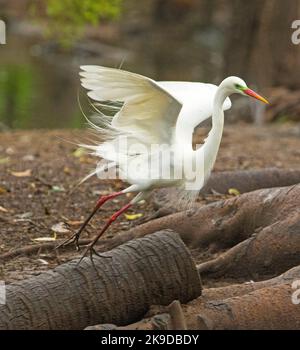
{"x":104,"y":199}
{"x":90,"y":247}
{"x":75,"y":237}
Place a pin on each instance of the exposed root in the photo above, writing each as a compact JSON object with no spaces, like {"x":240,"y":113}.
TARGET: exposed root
{"x":268,"y":308}
{"x":244,"y":181}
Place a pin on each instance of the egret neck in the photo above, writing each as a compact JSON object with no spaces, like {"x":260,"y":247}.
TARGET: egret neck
{"x":212,"y":142}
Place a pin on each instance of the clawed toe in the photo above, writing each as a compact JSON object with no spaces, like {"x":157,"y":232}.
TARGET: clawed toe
{"x":91,"y":251}
{"x":73,"y":239}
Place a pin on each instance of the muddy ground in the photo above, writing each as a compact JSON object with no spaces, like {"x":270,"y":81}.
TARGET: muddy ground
{"x":39,"y":170}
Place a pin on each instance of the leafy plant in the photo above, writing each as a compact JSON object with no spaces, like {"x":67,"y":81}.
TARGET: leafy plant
{"x":67,"y":18}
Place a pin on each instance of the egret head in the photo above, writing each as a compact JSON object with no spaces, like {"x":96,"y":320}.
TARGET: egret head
{"x":236,"y":85}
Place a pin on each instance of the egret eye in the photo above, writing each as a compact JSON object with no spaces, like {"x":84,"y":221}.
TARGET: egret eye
{"x":237,"y":86}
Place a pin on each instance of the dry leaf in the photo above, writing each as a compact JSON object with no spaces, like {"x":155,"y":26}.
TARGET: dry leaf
{"x":57,"y":188}
{"x":86,"y":160}
{"x":28,"y":157}
{"x":234,"y":192}
{"x":23,"y":216}
{"x":67,"y":170}
{"x":61,"y":227}
{"x":102,"y":193}
{"x":45,"y":239}
{"x":4,"y":210}
{"x":2,"y":190}
{"x":43,"y":261}
{"x":4,"y":160}
{"x":79,"y":152}
{"x":74,"y":223}
{"x":24,"y":173}
{"x":133,"y":216}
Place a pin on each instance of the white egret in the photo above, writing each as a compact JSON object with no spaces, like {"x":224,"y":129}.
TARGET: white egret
{"x":155,"y":113}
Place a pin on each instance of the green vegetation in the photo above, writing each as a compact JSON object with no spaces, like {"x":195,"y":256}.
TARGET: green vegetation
{"x":16,"y":85}
{"x":68,"y":18}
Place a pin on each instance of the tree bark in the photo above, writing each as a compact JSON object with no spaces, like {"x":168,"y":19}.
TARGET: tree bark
{"x":223,"y":223}
{"x":239,"y":306}
{"x":269,"y":252}
{"x":244,"y":181}
{"x":235,"y":290}
{"x":118,"y":289}
{"x":265,"y":309}
{"x":259,"y":34}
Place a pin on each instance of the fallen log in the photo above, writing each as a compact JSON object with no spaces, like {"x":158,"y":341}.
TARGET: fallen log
{"x":174,"y":317}
{"x":119,"y":288}
{"x":220,"y":182}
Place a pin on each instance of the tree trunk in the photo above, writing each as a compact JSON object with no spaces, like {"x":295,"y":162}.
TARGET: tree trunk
{"x":118,"y":289}
{"x":259,"y":46}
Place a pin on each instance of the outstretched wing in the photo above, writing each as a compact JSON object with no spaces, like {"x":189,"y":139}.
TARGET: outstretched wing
{"x":149,"y":112}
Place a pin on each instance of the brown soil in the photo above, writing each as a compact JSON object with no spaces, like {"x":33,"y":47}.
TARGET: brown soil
{"x":32,"y":202}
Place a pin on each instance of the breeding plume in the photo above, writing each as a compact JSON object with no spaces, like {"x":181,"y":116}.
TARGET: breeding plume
{"x":150,"y":113}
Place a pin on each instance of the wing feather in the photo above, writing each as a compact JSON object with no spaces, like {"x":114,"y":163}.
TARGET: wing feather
{"x":148,"y":110}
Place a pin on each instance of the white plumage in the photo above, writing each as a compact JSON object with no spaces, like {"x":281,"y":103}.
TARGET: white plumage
{"x":152,"y":112}
{"x":148,"y":113}
{"x":150,"y":108}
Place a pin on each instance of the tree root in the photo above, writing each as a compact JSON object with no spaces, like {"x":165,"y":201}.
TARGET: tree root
{"x":172,"y":319}
{"x":223,"y":223}
{"x":222,"y":308}
{"x":220,"y":182}
{"x":268,"y":308}
{"x":216,"y":226}
{"x":153,"y":270}
{"x":271,"y":251}
{"x":245,"y":288}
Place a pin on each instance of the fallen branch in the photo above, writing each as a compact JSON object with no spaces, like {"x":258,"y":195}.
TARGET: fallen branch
{"x":118,"y":289}
{"x":38,"y":248}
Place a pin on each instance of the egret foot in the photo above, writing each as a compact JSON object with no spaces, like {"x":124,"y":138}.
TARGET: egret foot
{"x":91,"y":251}
{"x":75,"y":237}
{"x":90,"y":248}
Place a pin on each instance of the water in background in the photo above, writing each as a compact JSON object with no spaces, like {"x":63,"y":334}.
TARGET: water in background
{"x":35,"y":91}
{"x":39,"y":84}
